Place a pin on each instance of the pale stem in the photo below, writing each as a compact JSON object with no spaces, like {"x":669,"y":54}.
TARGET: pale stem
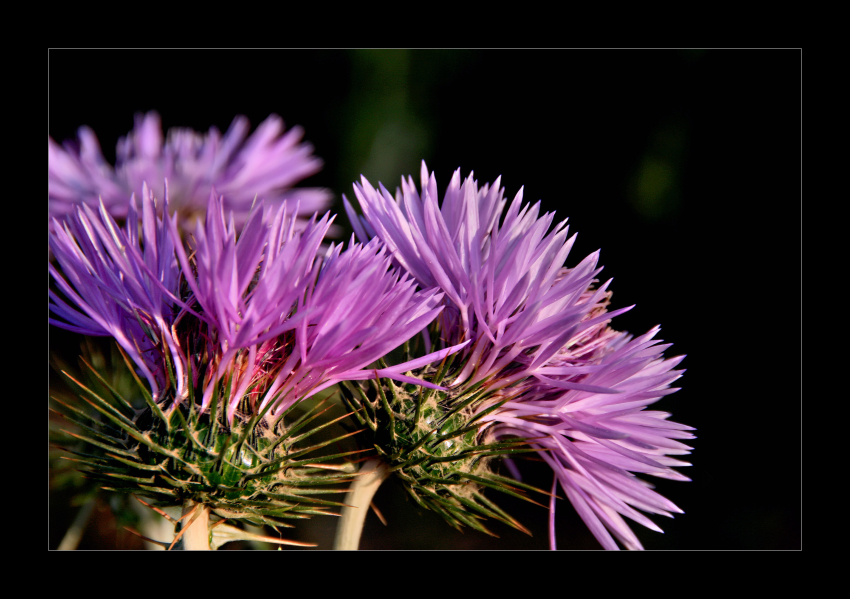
{"x":368,"y":479}
{"x":75,"y":532}
{"x":196,"y":528}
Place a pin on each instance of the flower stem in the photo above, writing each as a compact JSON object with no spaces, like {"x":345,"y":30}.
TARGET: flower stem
{"x":78,"y":526}
{"x":369,"y":478}
{"x":196,"y":528}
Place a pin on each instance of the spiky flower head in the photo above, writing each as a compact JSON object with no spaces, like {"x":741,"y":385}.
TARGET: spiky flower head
{"x":543,"y":369}
{"x":232,"y":333}
{"x":288,"y":324}
{"x":265,"y":165}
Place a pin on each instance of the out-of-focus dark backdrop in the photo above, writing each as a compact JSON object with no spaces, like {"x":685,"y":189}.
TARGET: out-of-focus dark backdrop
{"x":683,"y":166}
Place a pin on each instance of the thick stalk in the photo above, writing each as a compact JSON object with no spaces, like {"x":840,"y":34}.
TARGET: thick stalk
{"x":196,"y":528}
{"x":369,"y":478}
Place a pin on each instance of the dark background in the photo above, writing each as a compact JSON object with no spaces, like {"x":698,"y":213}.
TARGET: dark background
{"x":682,"y":165}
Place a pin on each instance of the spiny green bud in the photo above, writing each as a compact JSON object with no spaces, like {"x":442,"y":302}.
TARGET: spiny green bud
{"x":437,"y":445}
{"x":255,"y":468}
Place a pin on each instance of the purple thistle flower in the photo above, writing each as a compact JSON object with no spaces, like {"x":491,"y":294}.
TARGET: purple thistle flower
{"x":121,"y":284}
{"x":501,"y":282}
{"x":288,"y":324}
{"x":260,"y":320}
{"x":265,"y":164}
{"x":248,"y":289}
{"x":539,"y":342}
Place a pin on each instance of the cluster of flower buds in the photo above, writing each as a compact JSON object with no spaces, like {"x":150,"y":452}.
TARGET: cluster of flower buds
{"x":456,"y":334}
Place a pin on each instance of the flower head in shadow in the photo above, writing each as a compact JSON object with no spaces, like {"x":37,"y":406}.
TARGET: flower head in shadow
{"x":265,"y":165}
